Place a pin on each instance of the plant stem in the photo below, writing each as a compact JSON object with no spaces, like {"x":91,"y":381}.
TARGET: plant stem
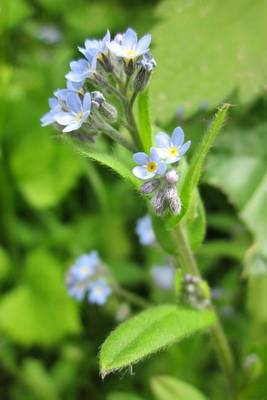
{"x":223,"y":350}
{"x":115,"y":135}
{"x":132,"y":298}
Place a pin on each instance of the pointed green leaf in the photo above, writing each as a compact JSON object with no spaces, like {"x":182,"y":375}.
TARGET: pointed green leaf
{"x":195,"y":168}
{"x":113,"y":163}
{"x":149,"y":332}
{"x":169,"y":388}
{"x":145,"y":127}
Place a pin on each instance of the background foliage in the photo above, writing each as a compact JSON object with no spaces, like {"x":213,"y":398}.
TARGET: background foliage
{"x":56,"y":205}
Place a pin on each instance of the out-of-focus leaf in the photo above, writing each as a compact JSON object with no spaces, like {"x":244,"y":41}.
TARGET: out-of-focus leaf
{"x":4,"y":264}
{"x":37,"y":381}
{"x":13,"y":12}
{"x":39,"y":311}
{"x":45,"y":170}
{"x":123,"y":396}
{"x":145,"y":127}
{"x":149,"y":332}
{"x":192,"y":41}
{"x":169,"y":388}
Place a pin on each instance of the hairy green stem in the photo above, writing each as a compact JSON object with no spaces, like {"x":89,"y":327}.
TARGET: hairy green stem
{"x":115,"y":135}
{"x":132,"y":298}
{"x":222,"y":348}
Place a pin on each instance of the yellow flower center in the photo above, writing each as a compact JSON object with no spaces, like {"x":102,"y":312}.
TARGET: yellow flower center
{"x":173,"y":151}
{"x":79,"y":116}
{"x":151,"y":166}
{"x":130,"y":53}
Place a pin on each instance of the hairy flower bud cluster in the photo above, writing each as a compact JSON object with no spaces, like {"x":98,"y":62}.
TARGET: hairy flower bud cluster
{"x":194,"y":292}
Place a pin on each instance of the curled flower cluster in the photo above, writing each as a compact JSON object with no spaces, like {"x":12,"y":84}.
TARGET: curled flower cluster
{"x":86,"y":277}
{"x":161,"y":181}
{"x":120,"y":67}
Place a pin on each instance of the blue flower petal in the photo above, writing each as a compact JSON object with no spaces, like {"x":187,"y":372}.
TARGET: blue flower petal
{"x":86,"y":102}
{"x":161,"y":168}
{"x":143,"y":44}
{"x":140,"y":158}
{"x":163,"y":140}
{"x":74,"y":103}
{"x":178,"y":136}
{"x":142,"y":173}
{"x":129,"y":39}
{"x":184,"y":148}
{"x":154,"y":154}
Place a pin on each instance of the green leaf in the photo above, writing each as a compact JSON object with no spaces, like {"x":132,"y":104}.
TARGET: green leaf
{"x":149,"y":332}
{"x":238,"y":167}
{"x":39,"y":311}
{"x":145,"y":127}
{"x":114,"y":163}
{"x":164,"y":236}
{"x":196,"y":224}
{"x":123,"y":396}
{"x":195,"y":168}
{"x":200,"y":37}
{"x":169,"y":388}
{"x":44,"y":176}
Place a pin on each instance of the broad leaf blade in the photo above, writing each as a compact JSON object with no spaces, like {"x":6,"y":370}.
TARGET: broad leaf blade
{"x":144,"y":120}
{"x":169,"y":388}
{"x":149,"y":332}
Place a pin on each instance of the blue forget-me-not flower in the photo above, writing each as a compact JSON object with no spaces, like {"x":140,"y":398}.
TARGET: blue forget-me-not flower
{"x":77,"y":112}
{"x":55,"y":108}
{"x":129,"y":47}
{"x":163,"y":276}
{"x":171,"y":149}
{"x":82,"y":69}
{"x":99,"y":291}
{"x":149,"y":166}
{"x":95,"y":48}
{"x":144,"y":230}
{"x":87,"y":278}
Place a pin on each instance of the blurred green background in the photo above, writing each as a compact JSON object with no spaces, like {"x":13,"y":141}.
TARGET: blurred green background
{"x":56,"y":205}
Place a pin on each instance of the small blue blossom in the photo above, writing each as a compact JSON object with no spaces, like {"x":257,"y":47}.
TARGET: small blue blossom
{"x":148,"y":166}
{"x":77,"y":112}
{"x":163,"y":276}
{"x":129,"y":47}
{"x":145,"y":231}
{"x":82,"y":69}
{"x":76,"y":87}
{"x":94,"y":48}
{"x":99,"y":291}
{"x":55,"y":108}
{"x":172,"y":149}
{"x":148,"y":62}
{"x":85,"y":278}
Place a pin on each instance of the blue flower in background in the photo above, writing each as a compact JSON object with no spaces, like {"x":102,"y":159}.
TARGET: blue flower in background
{"x":77,"y":112}
{"x":55,"y":108}
{"x":145,"y":231}
{"x":82,"y":69}
{"x":94,"y":48}
{"x":148,"y":166}
{"x":85,"y":278}
{"x":99,"y":291}
{"x":129,"y":47}
{"x":172,"y":149}
{"x":163,"y":276}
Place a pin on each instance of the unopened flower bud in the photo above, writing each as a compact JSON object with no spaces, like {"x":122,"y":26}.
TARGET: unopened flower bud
{"x":104,"y":59}
{"x":129,"y":65}
{"x":97,"y":98}
{"x":150,"y":186}
{"x":172,"y":176}
{"x":173,"y":199}
{"x":158,"y":202}
{"x":108,"y":111}
{"x":141,"y":80}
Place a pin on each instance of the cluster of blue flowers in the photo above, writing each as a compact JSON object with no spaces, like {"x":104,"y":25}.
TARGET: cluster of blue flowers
{"x":109,"y":66}
{"x":152,"y":167}
{"x":86,"y":277}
